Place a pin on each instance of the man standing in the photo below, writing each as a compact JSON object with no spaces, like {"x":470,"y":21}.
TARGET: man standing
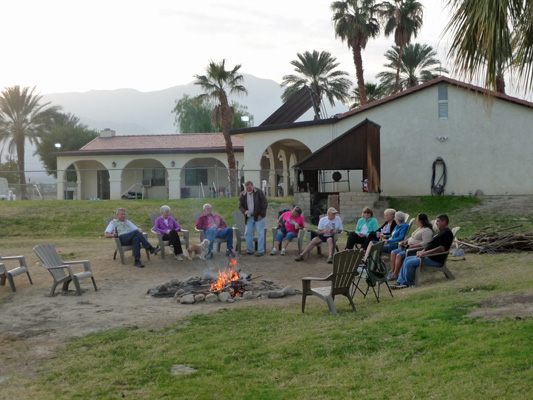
{"x":328,"y":227}
{"x":129,"y":235}
{"x":440,"y":243}
{"x":214,"y":227}
{"x":253,"y":204}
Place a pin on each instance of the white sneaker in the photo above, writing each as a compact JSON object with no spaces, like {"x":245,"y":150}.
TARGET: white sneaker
{"x":179,"y":258}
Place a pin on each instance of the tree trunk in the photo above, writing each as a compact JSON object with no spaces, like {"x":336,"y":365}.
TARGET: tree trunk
{"x":358,"y":61}
{"x":500,"y":84}
{"x":19,"y":142}
{"x":397,"y":83}
{"x":227,"y":120}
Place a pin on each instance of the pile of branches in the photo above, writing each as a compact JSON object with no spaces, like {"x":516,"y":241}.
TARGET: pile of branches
{"x":492,"y":240}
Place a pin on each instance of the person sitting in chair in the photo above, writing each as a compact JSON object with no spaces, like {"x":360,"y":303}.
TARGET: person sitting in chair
{"x":440,"y":243}
{"x":328,"y":227}
{"x":292,"y":221}
{"x":418,"y":240}
{"x":214,"y":227}
{"x":129,"y":235}
{"x":365,"y":226}
{"x":392,"y":240}
{"x":168,"y":227}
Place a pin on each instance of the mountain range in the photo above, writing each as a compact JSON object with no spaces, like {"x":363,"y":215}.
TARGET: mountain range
{"x":130,"y":112}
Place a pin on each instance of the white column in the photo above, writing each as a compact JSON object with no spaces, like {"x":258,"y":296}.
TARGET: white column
{"x":115,"y":184}
{"x":174,"y":184}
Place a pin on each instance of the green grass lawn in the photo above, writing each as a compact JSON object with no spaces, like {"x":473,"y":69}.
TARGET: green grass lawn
{"x":86,"y":218}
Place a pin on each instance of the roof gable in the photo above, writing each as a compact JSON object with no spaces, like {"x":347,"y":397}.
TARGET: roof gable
{"x":433,"y":82}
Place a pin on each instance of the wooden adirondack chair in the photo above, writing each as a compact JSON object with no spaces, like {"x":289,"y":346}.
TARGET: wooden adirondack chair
{"x":10,"y":274}
{"x":120,"y":248}
{"x":61,"y":270}
{"x":345,"y":264}
{"x":163,"y":243}
{"x":240,"y":229}
{"x":444,"y":269}
{"x":373,"y":273}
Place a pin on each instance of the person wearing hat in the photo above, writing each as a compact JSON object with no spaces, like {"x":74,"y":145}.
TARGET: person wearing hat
{"x":328,"y":227}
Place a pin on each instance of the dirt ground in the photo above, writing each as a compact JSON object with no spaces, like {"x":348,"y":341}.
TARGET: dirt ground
{"x":32,"y":325}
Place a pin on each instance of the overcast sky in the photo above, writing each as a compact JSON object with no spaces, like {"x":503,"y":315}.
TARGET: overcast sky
{"x":79,"y":45}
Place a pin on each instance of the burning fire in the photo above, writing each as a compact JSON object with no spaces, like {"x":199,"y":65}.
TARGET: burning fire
{"x":226,"y":277}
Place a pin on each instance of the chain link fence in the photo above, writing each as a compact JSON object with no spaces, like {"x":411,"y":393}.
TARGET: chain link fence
{"x":144,"y":183}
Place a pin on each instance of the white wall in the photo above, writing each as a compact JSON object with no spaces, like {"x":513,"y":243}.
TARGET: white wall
{"x":481,"y":151}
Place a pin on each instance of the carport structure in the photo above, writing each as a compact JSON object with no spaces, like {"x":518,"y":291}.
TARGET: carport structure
{"x":356,"y":149}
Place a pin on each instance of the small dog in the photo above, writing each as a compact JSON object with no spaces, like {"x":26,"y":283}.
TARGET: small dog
{"x":199,"y":250}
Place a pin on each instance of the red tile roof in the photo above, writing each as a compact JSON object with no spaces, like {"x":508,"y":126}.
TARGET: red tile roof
{"x":190,"y":141}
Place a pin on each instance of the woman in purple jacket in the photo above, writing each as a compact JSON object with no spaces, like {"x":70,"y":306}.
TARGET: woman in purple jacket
{"x":169,"y":228}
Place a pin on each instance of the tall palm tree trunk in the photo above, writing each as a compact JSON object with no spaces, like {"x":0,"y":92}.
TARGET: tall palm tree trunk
{"x":19,"y":143}
{"x":397,"y":83}
{"x":500,"y":83}
{"x":358,"y":61}
{"x":227,"y":119}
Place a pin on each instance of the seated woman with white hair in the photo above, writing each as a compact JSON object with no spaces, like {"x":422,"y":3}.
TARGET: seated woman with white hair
{"x":169,"y":228}
{"x":397,"y":235}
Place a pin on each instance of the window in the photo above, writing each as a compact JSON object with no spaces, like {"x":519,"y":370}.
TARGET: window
{"x":193,"y":177}
{"x":156,"y":176}
{"x":443,"y":102}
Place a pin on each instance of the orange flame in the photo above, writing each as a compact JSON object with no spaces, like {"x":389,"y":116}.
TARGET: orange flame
{"x":226,"y":276}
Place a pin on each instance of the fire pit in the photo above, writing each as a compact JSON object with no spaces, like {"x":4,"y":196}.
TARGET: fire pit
{"x":229,"y":285}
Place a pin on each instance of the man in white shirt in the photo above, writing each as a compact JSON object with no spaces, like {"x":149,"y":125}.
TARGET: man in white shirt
{"x":328,"y":227}
{"x":129,"y":235}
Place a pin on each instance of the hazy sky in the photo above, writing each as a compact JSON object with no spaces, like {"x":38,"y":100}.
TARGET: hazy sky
{"x":78,"y":45}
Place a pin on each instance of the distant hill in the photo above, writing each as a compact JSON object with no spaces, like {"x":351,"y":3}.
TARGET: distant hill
{"x":130,"y":112}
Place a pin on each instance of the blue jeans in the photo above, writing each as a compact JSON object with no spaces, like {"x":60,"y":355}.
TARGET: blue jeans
{"x":226,"y":233}
{"x":388,"y":248}
{"x":259,"y":226}
{"x":409,"y":266}
{"x":280,"y":236}
{"x":135,"y":238}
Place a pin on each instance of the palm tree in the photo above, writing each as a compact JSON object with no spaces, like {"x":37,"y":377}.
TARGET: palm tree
{"x":523,"y":44}
{"x":404,"y":18}
{"x":489,"y":38}
{"x":418,"y":65}
{"x":23,"y":118}
{"x":355,"y":22}
{"x":218,"y":83}
{"x":374,"y":92}
{"x":316,"y":70}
